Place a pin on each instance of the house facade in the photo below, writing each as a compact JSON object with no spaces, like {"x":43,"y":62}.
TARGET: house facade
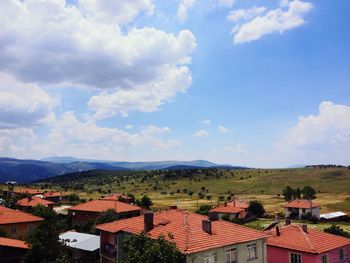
{"x":18,"y":224}
{"x":298,"y":208}
{"x":200,"y":240}
{"x":12,"y":250}
{"x":91,"y":210}
{"x":231,"y":212}
{"x":298,"y":244}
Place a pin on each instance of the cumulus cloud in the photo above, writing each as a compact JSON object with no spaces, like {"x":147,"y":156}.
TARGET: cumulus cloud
{"x":223,"y":129}
{"x":23,"y":105}
{"x":239,"y":149}
{"x":56,"y":43}
{"x":183,"y":8}
{"x":252,"y":24}
{"x":321,"y":138}
{"x":205,"y":122}
{"x":226,"y":3}
{"x":201,"y":133}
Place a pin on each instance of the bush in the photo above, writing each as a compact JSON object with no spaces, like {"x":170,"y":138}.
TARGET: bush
{"x":256,"y":208}
{"x":204,"y":209}
{"x":337,"y":230}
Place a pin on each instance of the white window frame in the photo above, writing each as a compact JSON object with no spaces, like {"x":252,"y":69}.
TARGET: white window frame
{"x":250,"y":247}
{"x":325,"y":256}
{"x":297,"y":254}
{"x":229,"y":253}
{"x":210,"y":258}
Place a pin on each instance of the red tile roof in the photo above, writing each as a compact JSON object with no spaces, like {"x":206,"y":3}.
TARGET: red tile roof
{"x":114,"y":197}
{"x":103,"y":205}
{"x":52,"y":194}
{"x":30,"y":191}
{"x":186,"y":229}
{"x":316,"y":242}
{"x":301,"y":203}
{"x":33,"y":201}
{"x":9,"y":242}
{"x":238,"y":203}
{"x":226,"y":209}
{"x":10,"y":216}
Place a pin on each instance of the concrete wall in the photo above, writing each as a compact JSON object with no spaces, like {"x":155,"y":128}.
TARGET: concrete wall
{"x":242,"y":253}
{"x":314,"y":211}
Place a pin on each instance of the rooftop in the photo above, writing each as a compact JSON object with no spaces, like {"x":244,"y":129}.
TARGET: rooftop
{"x":301,"y":203}
{"x":114,"y":197}
{"x":238,"y":203}
{"x":227,"y":209}
{"x":31,"y":191}
{"x":9,"y":242}
{"x":333,"y":215}
{"x":186,"y":229}
{"x":103,"y":205}
{"x":10,"y":216}
{"x":52,"y":194}
{"x":81,"y":241}
{"x":313,"y":241}
{"x":33,"y":201}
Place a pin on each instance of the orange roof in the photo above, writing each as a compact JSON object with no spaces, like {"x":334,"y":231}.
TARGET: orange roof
{"x":33,"y":201}
{"x":52,"y":194}
{"x":316,"y":242}
{"x":30,"y":191}
{"x":103,"y":205}
{"x":226,"y":209}
{"x":186,"y":229}
{"x":301,"y":203}
{"x":114,"y":197}
{"x":238,"y":203}
{"x":9,"y":242}
{"x":9,"y":216}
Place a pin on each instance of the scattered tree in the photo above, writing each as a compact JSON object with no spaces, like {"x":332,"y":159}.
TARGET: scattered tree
{"x":256,"y":208}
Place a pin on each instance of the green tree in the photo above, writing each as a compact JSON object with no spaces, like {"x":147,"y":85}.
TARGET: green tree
{"x":141,"y":248}
{"x":146,"y":201}
{"x":288,"y":193}
{"x":256,"y":208}
{"x":204,"y":209}
{"x":308,"y":192}
{"x":337,"y":230}
{"x":109,"y":216}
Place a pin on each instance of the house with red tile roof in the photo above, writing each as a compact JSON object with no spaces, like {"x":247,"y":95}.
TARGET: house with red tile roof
{"x":299,"y":244}
{"x":239,"y":204}
{"x":18,"y":224}
{"x":52,"y":196}
{"x":92,"y":209}
{"x":27,"y":191}
{"x":26,"y":204}
{"x":12,"y":250}
{"x":227,"y":210}
{"x":298,"y":208}
{"x":196,"y":237}
{"x":118,"y":197}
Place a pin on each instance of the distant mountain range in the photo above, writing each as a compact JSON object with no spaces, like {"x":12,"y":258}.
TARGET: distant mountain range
{"x":27,"y":171}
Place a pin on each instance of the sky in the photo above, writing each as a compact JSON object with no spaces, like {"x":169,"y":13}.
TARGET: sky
{"x":259,"y":83}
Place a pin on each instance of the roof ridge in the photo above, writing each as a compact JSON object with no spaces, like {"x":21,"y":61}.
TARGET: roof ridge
{"x":186,"y":225}
{"x":307,"y":239}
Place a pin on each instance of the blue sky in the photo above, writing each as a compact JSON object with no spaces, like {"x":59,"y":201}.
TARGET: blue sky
{"x":257,"y":83}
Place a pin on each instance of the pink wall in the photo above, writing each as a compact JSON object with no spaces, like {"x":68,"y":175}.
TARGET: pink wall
{"x":281,"y":255}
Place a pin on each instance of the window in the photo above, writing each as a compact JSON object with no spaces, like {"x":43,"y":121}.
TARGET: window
{"x":31,"y":228}
{"x":231,"y":255}
{"x":251,"y":251}
{"x":304,"y":210}
{"x":341,"y":254}
{"x":295,"y":258}
{"x":210,"y":258}
{"x":325,"y":259}
{"x":13,"y":230}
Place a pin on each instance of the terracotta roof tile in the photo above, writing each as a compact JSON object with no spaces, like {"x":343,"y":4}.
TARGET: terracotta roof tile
{"x":316,"y":242}
{"x":52,"y":194}
{"x":10,"y":216}
{"x":238,"y":203}
{"x":9,"y":242}
{"x":227,"y":209}
{"x":33,"y":201}
{"x":103,"y":205}
{"x":114,"y":197}
{"x":301,"y":203}
{"x":30,"y":191}
{"x":186,"y":229}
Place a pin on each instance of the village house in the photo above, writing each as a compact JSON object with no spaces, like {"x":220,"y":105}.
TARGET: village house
{"x":298,"y":208}
{"x":27,"y":191}
{"x":12,"y":250}
{"x":230,"y":211}
{"x":26,"y":204}
{"x":200,"y":240}
{"x":239,"y":204}
{"x":298,"y":244}
{"x":52,"y":196}
{"x":18,"y":224}
{"x":92,"y":209}
{"x":118,"y":197}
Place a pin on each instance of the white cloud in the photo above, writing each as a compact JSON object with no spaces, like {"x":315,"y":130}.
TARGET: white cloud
{"x":322,"y":138}
{"x":129,"y":127}
{"x":239,"y":149}
{"x":226,"y":3}
{"x":287,"y":16}
{"x":201,"y":133}
{"x":152,"y":129}
{"x":205,"y":122}
{"x":56,"y":43}
{"x":23,"y":105}
{"x":183,"y":8}
{"x":223,"y":129}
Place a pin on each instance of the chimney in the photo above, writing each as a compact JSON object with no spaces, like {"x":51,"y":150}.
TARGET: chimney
{"x":206,"y":226}
{"x":173,"y":207}
{"x":213,"y":216}
{"x":288,"y":222}
{"x":278,"y":233}
{"x":304,"y":228}
{"x":148,"y":221}
{"x":277,"y":220}
{"x":225,"y":204}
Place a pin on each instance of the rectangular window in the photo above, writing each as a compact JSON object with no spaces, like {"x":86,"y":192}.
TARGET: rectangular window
{"x":304,"y":210}
{"x":31,"y":228}
{"x":295,"y":258}
{"x":231,"y":255}
{"x":13,"y":230}
{"x":341,"y":254}
{"x":325,"y":259}
{"x":210,"y":258}
{"x":251,"y":251}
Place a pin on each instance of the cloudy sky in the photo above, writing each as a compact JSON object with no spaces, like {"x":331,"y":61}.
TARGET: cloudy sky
{"x":263,"y":83}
